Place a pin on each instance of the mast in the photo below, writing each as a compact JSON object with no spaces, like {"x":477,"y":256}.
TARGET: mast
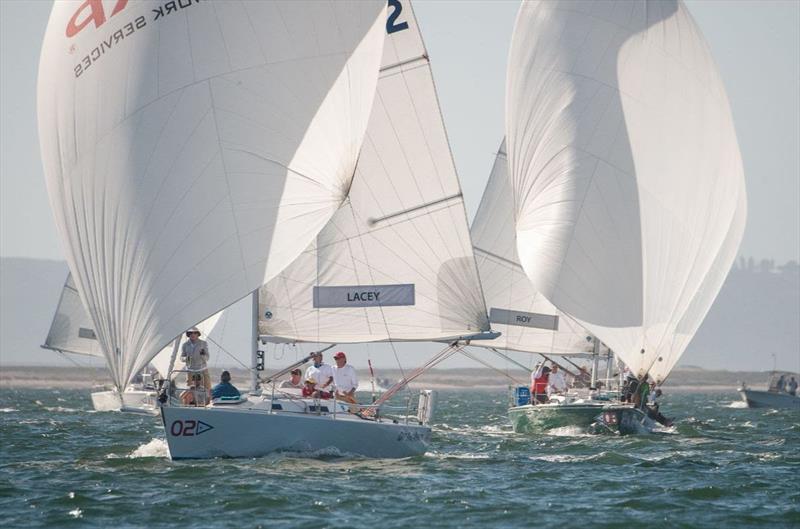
{"x":595,"y":358}
{"x":254,"y":342}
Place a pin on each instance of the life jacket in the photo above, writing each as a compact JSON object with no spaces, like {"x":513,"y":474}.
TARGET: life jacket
{"x":540,"y":384}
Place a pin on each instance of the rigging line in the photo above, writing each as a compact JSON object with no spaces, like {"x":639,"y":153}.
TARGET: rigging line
{"x":445,"y":353}
{"x":474,"y":357}
{"x":559,"y":365}
{"x":68,"y":358}
{"x":210,"y":339}
{"x":509,"y":359}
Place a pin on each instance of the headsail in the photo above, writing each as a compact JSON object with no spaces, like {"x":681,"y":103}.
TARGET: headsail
{"x":72,"y":330}
{"x":192,"y":150}
{"x":625,"y":168}
{"x":395,"y":262}
{"x":526,"y":320}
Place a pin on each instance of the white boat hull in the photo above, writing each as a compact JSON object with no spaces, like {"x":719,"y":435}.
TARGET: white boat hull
{"x":132,"y":401}
{"x":769,"y":399}
{"x":197,"y":433}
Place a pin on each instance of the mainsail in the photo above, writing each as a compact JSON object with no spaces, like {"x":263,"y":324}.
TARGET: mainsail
{"x":192,"y":150}
{"x":628,"y":187}
{"x":526,"y":320}
{"x":396,"y":261}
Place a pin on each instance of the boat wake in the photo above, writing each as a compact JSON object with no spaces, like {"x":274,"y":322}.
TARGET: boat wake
{"x":737,"y":404}
{"x":569,"y":431}
{"x":465,"y":455}
{"x":62,"y":409}
{"x":154,"y":448}
{"x":8,"y":410}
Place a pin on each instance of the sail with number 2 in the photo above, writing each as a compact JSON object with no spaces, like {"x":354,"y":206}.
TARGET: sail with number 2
{"x":395,"y":263}
{"x":192,"y":150}
{"x":627,"y":183}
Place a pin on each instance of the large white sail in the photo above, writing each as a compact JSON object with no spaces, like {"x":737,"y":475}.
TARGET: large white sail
{"x":72,"y":330}
{"x":629,"y":196}
{"x":193,"y":149}
{"x":395,"y":262}
{"x":526,"y":320}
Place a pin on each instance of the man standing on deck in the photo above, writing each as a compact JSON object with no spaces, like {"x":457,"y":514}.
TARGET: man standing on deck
{"x":345,"y":379}
{"x":556,"y":383}
{"x":321,"y":372}
{"x":194,"y":354}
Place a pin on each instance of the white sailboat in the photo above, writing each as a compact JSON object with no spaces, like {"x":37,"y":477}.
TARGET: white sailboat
{"x":629,"y":195}
{"x":395,"y":263}
{"x":193,"y":158}
{"x":527,"y":322}
{"x":71,"y":333}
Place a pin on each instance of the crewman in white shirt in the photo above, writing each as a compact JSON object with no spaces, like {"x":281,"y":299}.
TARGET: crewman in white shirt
{"x":557,"y":384}
{"x":345,"y":379}
{"x":321,"y":372}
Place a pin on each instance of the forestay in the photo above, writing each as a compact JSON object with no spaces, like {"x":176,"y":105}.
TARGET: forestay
{"x":193,"y":149}
{"x":625,"y":171}
{"x":395,"y":263}
{"x":526,"y":320}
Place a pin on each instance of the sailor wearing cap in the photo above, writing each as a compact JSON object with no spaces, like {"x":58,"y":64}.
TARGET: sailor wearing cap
{"x":345,"y":378}
{"x":194,"y":354}
{"x":321,"y":372}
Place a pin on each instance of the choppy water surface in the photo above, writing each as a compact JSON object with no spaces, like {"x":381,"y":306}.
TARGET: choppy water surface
{"x":64,"y":466}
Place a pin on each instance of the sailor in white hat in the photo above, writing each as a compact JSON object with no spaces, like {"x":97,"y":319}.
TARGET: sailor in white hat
{"x":194,"y":354}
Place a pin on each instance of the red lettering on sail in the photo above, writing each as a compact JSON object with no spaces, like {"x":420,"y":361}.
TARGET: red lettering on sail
{"x":95,"y":14}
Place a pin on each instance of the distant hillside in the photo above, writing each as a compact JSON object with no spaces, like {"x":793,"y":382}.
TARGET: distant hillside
{"x":757,"y":314}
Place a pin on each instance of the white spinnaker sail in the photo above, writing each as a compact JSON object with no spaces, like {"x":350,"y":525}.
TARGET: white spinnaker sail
{"x":626,"y":173}
{"x":192,"y":150}
{"x":526,"y":320}
{"x":395,"y":262}
{"x":72,"y":330}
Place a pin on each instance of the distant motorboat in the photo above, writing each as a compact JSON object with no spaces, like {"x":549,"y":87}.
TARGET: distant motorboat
{"x":775,"y":396}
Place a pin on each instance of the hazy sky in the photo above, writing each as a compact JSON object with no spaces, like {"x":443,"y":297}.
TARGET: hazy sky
{"x":755,"y":43}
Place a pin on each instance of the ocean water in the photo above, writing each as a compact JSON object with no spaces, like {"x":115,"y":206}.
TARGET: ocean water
{"x":62,"y":465}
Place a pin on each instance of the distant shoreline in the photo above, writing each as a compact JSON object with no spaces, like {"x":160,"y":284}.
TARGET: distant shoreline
{"x":683,"y":380}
